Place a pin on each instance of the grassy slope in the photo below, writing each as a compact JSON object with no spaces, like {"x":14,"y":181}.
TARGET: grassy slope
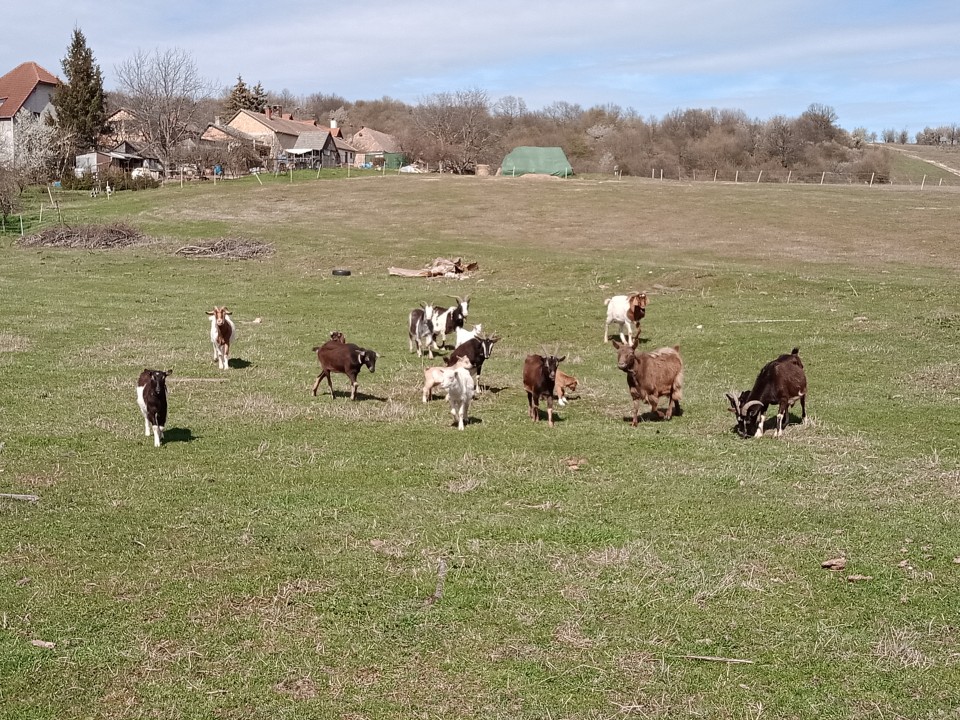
{"x":273,"y":558}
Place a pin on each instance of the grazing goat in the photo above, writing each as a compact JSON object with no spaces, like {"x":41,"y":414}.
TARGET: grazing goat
{"x":433,"y":376}
{"x":152,"y":399}
{"x":339,"y":357}
{"x":420,"y":329}
{"x":477,"y":350}
{"x":447,"y":320}
{"x":651,"y":376}
{"x":460,"y":386}
{"x":338,"y":336}
{"x":627,"y":311}
{"x":464,"y":335}
{"x":222,"y":333}
{"x":564,"y":384}
{"x":539,"y":380}
{"x":780,"y":381}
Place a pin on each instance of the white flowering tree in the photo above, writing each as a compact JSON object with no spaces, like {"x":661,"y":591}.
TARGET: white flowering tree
{"x":36,"y":148}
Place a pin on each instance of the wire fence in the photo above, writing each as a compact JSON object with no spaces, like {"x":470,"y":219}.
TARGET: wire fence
{"x":941,"y":179}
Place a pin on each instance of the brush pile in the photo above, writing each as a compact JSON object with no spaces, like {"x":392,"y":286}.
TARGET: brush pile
{"x":86,"y":237}
{"x":227,"y":249}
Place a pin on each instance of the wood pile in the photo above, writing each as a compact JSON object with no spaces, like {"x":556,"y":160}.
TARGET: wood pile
{"x":227,"y":249}
{"x":86,"y":237}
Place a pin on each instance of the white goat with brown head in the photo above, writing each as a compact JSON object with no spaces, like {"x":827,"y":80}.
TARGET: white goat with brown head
{"x":626,"y":311}
{"x":222,"y":334}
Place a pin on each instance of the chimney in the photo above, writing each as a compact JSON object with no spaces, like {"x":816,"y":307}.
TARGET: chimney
{"x":333,"y":123}
{"x":267,"y":111}
{"x":216,"y":120}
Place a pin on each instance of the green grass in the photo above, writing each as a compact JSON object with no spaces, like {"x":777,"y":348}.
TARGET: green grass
{"x":275,"y":557}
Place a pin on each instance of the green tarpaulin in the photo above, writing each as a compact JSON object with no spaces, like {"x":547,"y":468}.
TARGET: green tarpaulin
{"x":542,"y":160}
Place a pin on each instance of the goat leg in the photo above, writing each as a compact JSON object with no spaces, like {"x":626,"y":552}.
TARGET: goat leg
{"x":319,"y":380}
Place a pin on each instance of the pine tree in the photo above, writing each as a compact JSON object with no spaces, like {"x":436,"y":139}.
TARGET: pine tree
{"x":258,"y":98}
{"x":79,"y":101}
{"x":238,"y":99}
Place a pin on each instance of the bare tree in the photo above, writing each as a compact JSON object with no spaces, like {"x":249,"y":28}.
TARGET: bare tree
{"x":459,"y":126}
{"x":165,"y":90}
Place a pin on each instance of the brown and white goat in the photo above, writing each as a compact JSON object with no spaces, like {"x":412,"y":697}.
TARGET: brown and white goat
{"x":152,"y":399}
{"x":539,"y":380}
{"x":222,"y":333}
{"x":433,"y":376}
{"x":477,"y":350}
{"x":626,"y":311}
{"x":339,"y":357}
{"x":651,"y":376}
{"x":564,"y":384}
{"x":781,"y":381}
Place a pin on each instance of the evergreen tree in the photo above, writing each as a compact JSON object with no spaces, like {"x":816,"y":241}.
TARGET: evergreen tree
{"x":238,"y":99}
{"x":80,"y":104}
{"x":258,"y":98}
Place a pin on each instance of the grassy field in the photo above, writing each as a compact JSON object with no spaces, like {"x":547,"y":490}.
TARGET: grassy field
{"x":285,"y":556}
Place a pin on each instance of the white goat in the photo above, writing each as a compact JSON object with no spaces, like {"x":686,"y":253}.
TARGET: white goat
{"x":625,"y":310}
{"x":460,"y":386}
{"x":222,"y":333}
{"x":464,"y":335}
{"x":433,"y":376}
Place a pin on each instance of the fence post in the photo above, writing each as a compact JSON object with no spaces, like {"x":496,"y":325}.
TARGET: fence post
{"x":661,"y":174}
{"x":789,"y":175}
{"x":822,"y":176}
{"x":715,"y":174}
{"x":923,"y":182}
{"x":21,"y":226}
{"x":759,"y":176}
{"x":871,"y":178}
{"x":736,"y":178}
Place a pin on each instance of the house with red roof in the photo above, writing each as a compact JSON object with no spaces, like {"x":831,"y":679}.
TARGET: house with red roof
{"x":27,"y":87}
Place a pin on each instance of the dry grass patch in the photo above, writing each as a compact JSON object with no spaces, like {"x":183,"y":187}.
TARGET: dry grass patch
{"x":899,"y":646}
{"x":13,"y":343}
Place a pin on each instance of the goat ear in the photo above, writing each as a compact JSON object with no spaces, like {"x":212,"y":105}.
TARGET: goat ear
{"x":561,"y":358}
{"x":227,"y":312}
{"x":617,"y":344}
{"x":168,"y":372}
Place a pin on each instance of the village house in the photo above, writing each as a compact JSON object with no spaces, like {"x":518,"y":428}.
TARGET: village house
{"x":376,"y":149}
{"x":27,"y":87}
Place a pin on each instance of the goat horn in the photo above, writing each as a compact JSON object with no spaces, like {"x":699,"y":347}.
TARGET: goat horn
{"x":748,"y":405}
{"x":734,"y":399}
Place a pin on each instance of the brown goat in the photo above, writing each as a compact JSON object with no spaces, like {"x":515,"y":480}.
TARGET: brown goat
{"x":335,"y":356}
{"x":564,"y":384}
{"x":781,"y":381}
{"x":539,"y":380}
{"x":651,"y":376}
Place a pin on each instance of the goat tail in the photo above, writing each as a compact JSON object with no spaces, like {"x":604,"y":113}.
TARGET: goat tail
{"x":607,"y":301}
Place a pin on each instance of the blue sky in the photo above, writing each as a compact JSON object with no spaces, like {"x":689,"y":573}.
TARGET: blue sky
{"x":879,"y":64}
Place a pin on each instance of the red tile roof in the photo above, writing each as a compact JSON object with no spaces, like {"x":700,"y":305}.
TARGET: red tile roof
{"x":16,"y":86}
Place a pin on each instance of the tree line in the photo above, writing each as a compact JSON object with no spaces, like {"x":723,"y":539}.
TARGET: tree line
{"x":171,"y":104}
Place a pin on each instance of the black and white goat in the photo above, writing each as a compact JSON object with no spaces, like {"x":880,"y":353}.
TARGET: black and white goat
{"x":449,"y":319}
{"x":781,"y":381}
{"x":477,"y":351}
{"x":420,"y":329}
{"x":152,"y":399}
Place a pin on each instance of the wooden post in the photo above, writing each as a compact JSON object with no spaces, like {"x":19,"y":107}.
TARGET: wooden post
{"x":822,"y":176}
{"x":940,"y":184}
{"x":871,"y":178}
{"x":715,"y":174}
{"x":923,"y":182}
{"x":789,"y":175}
{"x":21,"y":226}
{"x":736,"y":178}
{"x":181,"y":177}
{"x":257,"y":176}
{"x":661,"y":174}
{"x":759,"y":176}
{"x":41,"y":213}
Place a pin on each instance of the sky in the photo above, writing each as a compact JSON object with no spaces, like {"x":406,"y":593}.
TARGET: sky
{"x":882,"y":64}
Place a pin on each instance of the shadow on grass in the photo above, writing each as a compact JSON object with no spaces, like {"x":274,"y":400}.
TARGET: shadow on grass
{"x":651,"y":416}
{"x":178,"y":435}
{"x":239,"y":363}
{"x":345,"y":395}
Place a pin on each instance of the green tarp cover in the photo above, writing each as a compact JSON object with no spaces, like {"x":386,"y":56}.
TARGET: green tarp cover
{"x":544,"y":160}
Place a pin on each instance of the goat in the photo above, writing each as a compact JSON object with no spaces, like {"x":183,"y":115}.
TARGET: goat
{"x":339,"y":357}
{"x":152,"y":399}
{"x":539,"y":380}
{"x":464,"y":335}
{"x":338,"y":336}
{"x":651,"y":376}
{"x":477,"y":350}
{"x":625,"y":310}
{"x":564,"y":384}
{"x":433,"y":376}
{"x":460,"y":386}
{"x":782,"y":381}
{"x":420,"y":329}
{"x":222,"y":333}
{"x":447,"y":320}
